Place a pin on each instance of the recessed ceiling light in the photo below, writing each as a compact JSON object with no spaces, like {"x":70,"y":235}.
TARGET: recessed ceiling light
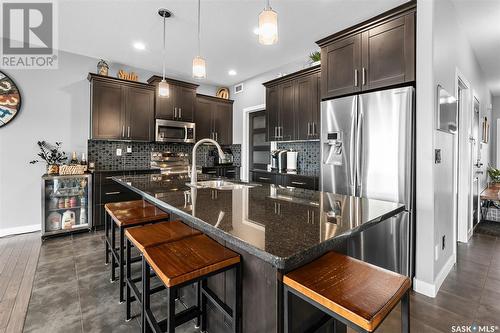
{"x":256,"y":30}
{"x":232,"y":72}
{"x":139,"y":46}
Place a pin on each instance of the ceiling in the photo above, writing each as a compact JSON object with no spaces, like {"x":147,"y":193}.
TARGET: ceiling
{"x":480,"y":21}
{"x":108,"y":28}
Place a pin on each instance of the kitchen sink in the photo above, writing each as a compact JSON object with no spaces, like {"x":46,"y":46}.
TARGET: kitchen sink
{"x":221,"y":184}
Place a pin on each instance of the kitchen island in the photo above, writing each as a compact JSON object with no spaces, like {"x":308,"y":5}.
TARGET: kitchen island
{"x":274,"y":229}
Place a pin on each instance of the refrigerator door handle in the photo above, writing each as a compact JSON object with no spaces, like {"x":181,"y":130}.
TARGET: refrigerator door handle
{"x":354,"y":112}
{"x":359,"y":151}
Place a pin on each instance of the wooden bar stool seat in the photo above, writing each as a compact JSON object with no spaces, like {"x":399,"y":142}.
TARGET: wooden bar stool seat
{"x":125,"y":215}
{"x":184,"y":262}
{"x":356,"y":293}
{"x":146,"y":236}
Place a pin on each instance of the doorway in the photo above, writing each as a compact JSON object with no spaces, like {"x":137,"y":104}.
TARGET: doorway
{"x":258,"y":147}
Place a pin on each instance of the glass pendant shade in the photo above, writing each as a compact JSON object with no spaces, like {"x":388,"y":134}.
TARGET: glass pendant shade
{"x":163,"y":89}
{"x":268,"y":27}
{"x":199,"y":68}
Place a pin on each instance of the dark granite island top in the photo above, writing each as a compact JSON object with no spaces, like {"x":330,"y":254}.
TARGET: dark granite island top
{"x":285,"y":227}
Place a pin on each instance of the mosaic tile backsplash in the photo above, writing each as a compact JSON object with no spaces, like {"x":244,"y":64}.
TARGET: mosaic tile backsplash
{"x":308,"y":158}
{"x":103,"y":154}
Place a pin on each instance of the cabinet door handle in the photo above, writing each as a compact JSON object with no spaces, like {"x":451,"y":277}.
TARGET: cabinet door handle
{"x":363,"y":75}
{"x":175,"y":112}
{"x":216,"y":136}
{"x":112,"y":193}
{"x":308,"y":129}
{"x":299,"y":183}
{"x":355,"y":77}
{"x":123,"y":131}
{"x":264,"y":178}
{"x":128,"y":131}
{"x":211,"y":172}
{"x":314,"y":132}
{"x":180,"y":113}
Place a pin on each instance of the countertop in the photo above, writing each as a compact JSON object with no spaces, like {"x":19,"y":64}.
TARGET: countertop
{"x":282,"y":226}
{"x":305,"y":173}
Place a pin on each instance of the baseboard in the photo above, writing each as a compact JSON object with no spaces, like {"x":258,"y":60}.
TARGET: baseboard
{"x":431,"y":289}
{"x":19,"y":230}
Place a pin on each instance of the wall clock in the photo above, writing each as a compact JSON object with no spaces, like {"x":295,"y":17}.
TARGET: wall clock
{"x":10,"y":99}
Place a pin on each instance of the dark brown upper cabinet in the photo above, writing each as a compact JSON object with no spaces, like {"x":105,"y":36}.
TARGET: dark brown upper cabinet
{"x":214,"y":119}
{"x":293,"y":106}
{"x":120,"y":109}
{"x":374,"y":54}
{"x":180,"y":105}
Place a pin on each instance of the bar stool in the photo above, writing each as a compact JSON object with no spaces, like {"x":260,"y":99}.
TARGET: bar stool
{"x":184,"y":262}
{"x":353,"y":292}
{"x":143,"y":237}
{"x":125,"y":215}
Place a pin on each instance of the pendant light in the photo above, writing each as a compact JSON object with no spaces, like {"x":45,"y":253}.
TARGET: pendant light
{"x":199,"y":64}
{"x":163,"y":86}
{"x":268,"y":26}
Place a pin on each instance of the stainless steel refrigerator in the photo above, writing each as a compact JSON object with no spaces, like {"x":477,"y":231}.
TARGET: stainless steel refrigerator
{"x":367,"y":151}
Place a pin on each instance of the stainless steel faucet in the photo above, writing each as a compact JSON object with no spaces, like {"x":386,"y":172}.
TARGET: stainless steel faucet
{"x":194,"y":174}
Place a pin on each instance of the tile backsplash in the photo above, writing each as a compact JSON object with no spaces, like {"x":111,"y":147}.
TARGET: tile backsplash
{"x":103,"y":153}
{"x":308,"y":157}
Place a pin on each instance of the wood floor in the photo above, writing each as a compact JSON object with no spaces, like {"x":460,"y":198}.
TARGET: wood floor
{"x":71,"y":290}
{"x":18,"y":262}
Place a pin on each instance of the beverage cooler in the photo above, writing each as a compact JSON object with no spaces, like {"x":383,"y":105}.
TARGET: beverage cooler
{"x":66,"y":204}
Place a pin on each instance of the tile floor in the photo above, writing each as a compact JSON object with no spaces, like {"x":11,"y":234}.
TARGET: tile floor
{"x":72,"y":293}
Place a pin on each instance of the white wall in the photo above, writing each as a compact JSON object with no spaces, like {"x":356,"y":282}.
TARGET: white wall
{"x":495,"y":114}
{"x":442,"y":50}
{"x":55,"y":107}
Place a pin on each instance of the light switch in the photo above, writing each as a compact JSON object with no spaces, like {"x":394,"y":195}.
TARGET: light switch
{"x":118,"y":152}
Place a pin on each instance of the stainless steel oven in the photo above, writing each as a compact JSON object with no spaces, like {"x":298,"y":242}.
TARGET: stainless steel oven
{"x":175,"y":131}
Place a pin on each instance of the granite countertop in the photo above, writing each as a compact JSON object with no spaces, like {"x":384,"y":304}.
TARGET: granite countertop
{"x":282,"y":226}
{"x":134,"y":168}
{"x":305,"y":173}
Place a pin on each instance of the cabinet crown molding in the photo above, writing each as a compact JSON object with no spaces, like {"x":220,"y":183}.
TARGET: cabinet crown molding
{"x":214,"y":98}
{"x":292,"y":76}
{"x":370,"y":23}
{"x":92,"y":77}
{"x":155,"y":79}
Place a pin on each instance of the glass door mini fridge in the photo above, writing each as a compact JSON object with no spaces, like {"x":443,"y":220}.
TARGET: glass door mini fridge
{"x":66,"y":204}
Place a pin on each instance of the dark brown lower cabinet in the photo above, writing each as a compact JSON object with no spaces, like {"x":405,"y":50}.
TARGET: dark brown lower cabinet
{"x":306,"y":182}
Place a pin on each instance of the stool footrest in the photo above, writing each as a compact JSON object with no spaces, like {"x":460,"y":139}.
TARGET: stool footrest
{"x":220,"y":305}
{"x":182,"y":317}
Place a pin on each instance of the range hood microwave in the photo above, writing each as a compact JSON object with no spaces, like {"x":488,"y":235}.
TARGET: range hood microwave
{"x":175,"y":131}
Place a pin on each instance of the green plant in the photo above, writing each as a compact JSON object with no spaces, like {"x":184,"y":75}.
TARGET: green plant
{"x":315,"y":56}
{"x":494,"y":174}
{"x":51,"y":154}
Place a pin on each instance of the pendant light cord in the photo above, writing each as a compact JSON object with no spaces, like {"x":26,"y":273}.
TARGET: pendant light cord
{"x":268,"y":5}
{"x":164,"y":52}
{"x":199,"y":48}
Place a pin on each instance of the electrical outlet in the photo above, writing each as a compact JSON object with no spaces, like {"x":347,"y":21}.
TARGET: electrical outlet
{"x":129,"y":149}
{"x":118,"y":152}
{"x":436,"y":252}
{"x":443,"y":242}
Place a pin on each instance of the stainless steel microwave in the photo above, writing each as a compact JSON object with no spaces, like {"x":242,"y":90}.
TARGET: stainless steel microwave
{"x":175,"y":131}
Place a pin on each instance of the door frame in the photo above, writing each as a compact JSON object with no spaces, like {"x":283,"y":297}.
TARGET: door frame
{"x":464,"y":174}
{"x":245,"y":172}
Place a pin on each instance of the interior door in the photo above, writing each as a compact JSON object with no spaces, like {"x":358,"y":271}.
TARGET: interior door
{"x":383,"y":169}
{"x":108,"y":111}
{"x":140,"y":114}
{"x":338,"y":123}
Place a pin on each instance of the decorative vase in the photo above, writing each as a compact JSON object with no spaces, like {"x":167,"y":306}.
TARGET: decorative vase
{"x":52,"y":169}
{"x":102,"y":68}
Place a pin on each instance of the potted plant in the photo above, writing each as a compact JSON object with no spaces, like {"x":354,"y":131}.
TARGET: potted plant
{"x":315,"y":58}
{"x":494,"y":174}
{"x":52,"y":155}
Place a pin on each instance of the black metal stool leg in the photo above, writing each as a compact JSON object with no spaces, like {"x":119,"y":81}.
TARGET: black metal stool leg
{"x":198,"y":303}
{"x":171,"y":310}
{"x":106,"y":237}
{"x":121,"y":232}
{"x":127,"y":278}
{"x":405,"y":313}
{"x":113,"y":247}
{"x":237,"y":301}
{"x":287,"y":309}
{"x":145,"y":296}
{"x":203,"y":306}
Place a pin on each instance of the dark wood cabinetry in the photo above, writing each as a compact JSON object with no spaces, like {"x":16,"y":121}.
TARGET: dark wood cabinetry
{"x":229,"y":171}
{"x":214,"y":119}
{"x":293,"y":107}
{"x":290,"y":180}
{"x":180,"y":105}
{"x":121,"y":110}
{"x":374,"y":54}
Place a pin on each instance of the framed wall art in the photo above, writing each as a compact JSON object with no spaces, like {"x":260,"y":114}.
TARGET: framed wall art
{"x":10,"y":100}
